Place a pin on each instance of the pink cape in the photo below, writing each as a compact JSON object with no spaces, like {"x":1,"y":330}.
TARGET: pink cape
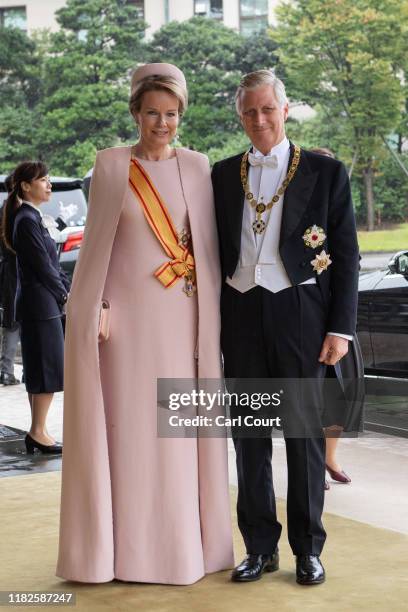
{"x":87,"y":542}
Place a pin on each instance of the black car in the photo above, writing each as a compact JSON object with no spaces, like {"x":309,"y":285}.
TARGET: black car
{"x":382,"y":324}
{"x":65,"y":191}
{"x":382,"y":329}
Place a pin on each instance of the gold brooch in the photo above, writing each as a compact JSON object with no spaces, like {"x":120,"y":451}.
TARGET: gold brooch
{"x":321,"y":262}
{"x":314,"y":236}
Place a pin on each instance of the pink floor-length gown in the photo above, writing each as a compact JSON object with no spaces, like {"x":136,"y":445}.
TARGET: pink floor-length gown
{"x":135,"y":506}
{"x":156,"y":514}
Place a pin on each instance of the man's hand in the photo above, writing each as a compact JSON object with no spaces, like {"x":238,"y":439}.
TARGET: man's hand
{"x":333,"y":349}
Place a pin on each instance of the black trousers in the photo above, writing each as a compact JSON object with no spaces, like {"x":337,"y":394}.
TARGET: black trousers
{"x":279,"y":335}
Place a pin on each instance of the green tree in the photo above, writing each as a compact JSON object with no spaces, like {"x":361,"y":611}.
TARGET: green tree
{"x":391,"y":191}
{"x":20,"y":92}
{"x":348,"y":56}
{"x":205,"y":50}
{"x":85,"y":104}
{"x":213,"y":58}
{"x":235,"y":144}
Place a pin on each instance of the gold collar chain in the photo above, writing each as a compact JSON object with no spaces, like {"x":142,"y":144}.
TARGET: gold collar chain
{"x":259,"y":225}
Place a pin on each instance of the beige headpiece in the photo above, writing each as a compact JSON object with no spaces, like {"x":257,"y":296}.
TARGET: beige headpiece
{"x":157,"y":69}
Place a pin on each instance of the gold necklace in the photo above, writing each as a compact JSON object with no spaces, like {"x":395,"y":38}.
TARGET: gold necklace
{"x":259,"y":225}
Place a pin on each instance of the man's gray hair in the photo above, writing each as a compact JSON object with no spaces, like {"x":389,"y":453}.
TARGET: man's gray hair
{"x":252,"y":80}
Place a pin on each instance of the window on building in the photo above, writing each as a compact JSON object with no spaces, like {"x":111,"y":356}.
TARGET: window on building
{"x":208,"y":8}
{"x":253,"y":16}
{"x":15,"y":17}
{"x":139,"y":5}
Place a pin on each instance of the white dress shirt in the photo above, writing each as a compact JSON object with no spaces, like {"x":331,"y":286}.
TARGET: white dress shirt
{"x":260,"y":262}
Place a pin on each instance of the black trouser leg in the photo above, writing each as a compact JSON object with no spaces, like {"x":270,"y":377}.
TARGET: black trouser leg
{"x":267,"y":335}
{"x":256,"y":507}
{"x":305,"y":499}
{"x":245,"y":357}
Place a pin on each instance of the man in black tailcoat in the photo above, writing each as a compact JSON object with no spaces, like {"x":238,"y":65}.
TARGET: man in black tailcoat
{"x":289,"y":257}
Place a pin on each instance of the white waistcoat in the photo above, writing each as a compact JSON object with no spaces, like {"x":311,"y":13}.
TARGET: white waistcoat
{"x":260,"y":262}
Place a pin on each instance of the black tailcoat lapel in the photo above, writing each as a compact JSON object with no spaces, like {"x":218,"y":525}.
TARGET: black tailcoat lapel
{"x":235,"y":204}
{"x":297,"y":196}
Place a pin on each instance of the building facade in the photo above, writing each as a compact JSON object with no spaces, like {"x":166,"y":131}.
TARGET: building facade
{"x":245,"y":16}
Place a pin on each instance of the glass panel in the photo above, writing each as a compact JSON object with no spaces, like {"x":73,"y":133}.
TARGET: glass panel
{"x":216,"y":10}
{"x":252,"y":8}
{"x":73,"y":196}
{"x":14,"y":17}
{"x":251,"y":26}
{"x":208,"y":8}
{"x":139,"y":5}
{"x":201,"y":7}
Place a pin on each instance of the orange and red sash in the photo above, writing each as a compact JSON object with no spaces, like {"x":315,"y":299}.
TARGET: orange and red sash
{"x":181,"y":262}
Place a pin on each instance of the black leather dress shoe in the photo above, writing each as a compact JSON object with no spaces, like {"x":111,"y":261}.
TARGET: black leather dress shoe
{"x":52,"y":449}
{"x":8,"y":379}
{"x":309,"y":570}
{"x":253,"y":566}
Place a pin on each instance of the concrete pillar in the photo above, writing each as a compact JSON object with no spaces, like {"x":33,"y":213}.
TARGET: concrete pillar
{"x":154,"y":15}
{"x":181,"y":10}
{"x":231,"y":14}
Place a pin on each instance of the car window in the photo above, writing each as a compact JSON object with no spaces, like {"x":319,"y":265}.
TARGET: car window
{"x":403,"y":263}
{"x":72,"y":196}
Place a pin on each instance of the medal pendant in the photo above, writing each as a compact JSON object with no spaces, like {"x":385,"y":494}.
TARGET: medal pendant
{"x":189,"y":287}
{"x":258,"y":226}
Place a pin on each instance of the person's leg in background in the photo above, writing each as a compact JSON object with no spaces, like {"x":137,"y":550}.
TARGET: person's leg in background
{"x":10,"y":339}
{"x":333,"y":434}
{"x":40,"y":405}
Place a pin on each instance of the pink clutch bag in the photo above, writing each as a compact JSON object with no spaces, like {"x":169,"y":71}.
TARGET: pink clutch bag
{"x":104,"y":320}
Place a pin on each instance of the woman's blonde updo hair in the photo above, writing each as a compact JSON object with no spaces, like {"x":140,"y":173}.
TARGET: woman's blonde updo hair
{"x":157,"y":82}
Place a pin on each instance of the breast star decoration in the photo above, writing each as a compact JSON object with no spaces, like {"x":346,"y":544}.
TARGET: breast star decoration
{"x":314,"y":236}
{"x":321,"y":262}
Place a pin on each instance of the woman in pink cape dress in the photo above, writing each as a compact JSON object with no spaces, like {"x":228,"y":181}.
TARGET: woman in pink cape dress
{"x":134,"y":506}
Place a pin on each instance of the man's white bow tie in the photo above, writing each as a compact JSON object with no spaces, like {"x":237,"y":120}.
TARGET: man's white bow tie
{"x":271,"y":161}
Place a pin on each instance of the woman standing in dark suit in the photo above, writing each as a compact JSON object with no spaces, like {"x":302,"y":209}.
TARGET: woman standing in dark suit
{"x":10,"y":327}
{"x":42,"y":290}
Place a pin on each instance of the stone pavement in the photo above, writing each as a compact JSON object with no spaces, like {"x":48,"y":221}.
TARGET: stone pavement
{"x":377,"y":464}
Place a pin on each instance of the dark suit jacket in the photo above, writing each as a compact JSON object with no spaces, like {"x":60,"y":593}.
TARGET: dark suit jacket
{"x":319,"y":194}
{"x":8,"y":282}
{"x":42,"y":286}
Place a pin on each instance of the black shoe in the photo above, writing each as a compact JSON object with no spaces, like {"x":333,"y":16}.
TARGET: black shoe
{"x":309,"y":570}
{"x":253,"y":566}
{"x":48,"y":449}
{"x":8,"y":379}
